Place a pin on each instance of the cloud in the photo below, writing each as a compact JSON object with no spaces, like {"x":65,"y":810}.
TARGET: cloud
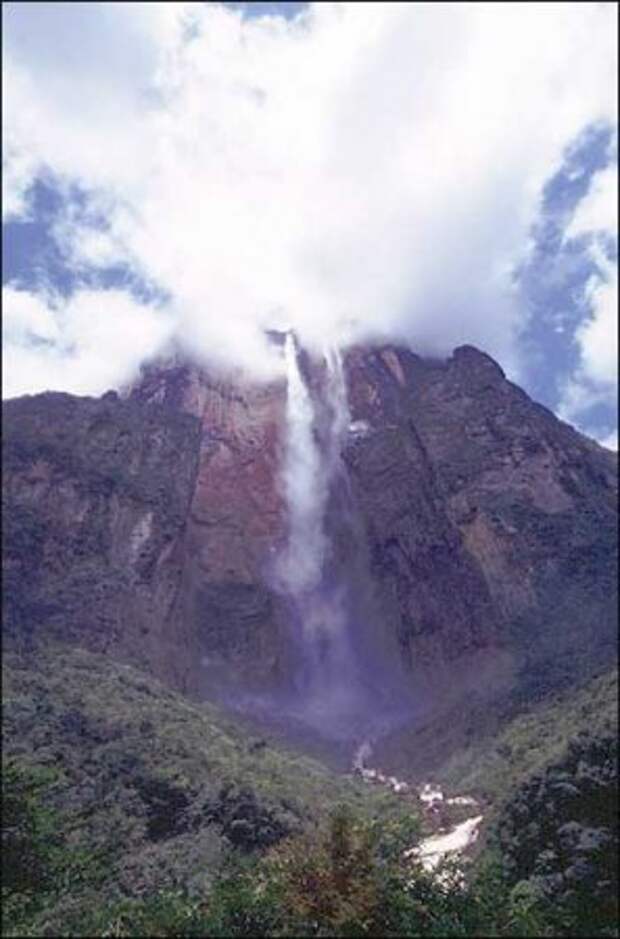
{"x":610,"y":441}
{"x":27,"y":318}
{"x":598,"y":211}
{"x":596,"y":218}
{"x":594,"y":381}
{"x":84,"y":345}
{"x":596,"y":335}
{"x":358,"y":170}
{"x":595,"y":378}
{"x":18,"y":172}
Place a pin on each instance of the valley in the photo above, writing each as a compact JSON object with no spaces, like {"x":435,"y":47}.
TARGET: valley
{"x":337,"y":624}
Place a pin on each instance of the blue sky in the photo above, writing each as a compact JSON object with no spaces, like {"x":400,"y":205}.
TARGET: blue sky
{"x":206,"y":179}
{"x":553,"y":285}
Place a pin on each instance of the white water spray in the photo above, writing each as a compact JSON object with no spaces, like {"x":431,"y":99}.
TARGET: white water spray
{"x":338,"y":402}
{"x":307,"y":471}
{"x":310,"y":465}
{"x":337,"y":679}
{"x":301,"y":563}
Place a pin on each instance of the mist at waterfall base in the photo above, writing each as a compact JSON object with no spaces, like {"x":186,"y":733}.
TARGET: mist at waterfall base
{"x":346,"y":683}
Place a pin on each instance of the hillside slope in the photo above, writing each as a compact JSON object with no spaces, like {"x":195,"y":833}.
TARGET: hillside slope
{"x":148,"y":790}
{"x":129,"y":810}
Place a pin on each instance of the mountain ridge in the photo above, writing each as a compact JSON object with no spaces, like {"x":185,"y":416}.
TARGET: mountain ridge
{"x":477,"y":543}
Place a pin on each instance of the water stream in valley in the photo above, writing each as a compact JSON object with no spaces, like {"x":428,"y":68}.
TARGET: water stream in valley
{"x":447,"y":840}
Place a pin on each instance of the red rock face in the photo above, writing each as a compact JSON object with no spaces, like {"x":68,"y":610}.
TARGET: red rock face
{"x":237,"y":489}
{"x":236,"y":522}
{"x":472,"y":533}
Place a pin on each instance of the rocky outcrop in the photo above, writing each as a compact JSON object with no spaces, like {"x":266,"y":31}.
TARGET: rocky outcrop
{"x":95,"y":501}
{"x":558,"y":836}
{"x":474,"y":533}
{"x":492,"y":523}
{"x":234,"y":526}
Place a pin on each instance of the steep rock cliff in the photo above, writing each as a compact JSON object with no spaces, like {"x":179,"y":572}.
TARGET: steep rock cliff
{"x":95,"y":500}
{"x":234,"y":525}
{"x":474,"y":533}
{"x":492,"y":524}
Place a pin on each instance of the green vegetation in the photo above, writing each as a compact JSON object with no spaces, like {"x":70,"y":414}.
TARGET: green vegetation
{"x":346,"y":877}
{"x":558,"y":839}
{"x":130,"y":811}
{"x":493,"y":767}
{"x":40,"y":866}
{"x":146,"y":790}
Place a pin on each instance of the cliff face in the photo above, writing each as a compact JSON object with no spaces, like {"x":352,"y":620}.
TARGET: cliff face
{"x":492,"y":524}
{"x":475,"y":533}
{"x":233,"y":527}
{"x":95,"y":500}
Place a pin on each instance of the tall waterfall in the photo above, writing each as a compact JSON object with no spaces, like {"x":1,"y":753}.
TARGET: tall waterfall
{"x":339,"y":674}
{"x":337,"y":399}
{"x":310,"y":466}
{"x":305,"y":483}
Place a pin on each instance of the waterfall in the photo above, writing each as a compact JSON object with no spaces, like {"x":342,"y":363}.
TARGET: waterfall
{"x":305,"y":484}
{"x":338,"y":674}
{"x":310,"y":465}
{"x":308,"y":471}
{"x":339,"y":405}
{"x":339,"y":684}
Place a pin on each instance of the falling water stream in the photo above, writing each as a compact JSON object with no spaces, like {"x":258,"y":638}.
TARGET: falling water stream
{"x":340,"y":679}
{"x":337,"y":692}
{"x":306,"y":490}
{"x":329,"y":680}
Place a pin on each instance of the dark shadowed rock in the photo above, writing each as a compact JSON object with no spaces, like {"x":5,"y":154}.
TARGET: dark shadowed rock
{"x":492,"y":523}
{"x":95,"y":502}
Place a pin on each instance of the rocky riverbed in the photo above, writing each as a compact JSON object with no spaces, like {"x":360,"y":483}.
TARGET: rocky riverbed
{"x":450,"y":837}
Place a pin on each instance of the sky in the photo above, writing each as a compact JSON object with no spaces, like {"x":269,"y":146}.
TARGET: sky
{"x":187,"y":175}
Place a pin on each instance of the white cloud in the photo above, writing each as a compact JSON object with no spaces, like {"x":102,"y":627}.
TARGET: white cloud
{"x":610,"y":440}
{"x":598,"y":336}
{"x":18,"y":171}
{"x":363,"y":169}
{"x":27,"y":317}
{"x":83,"y":345}
{"x":595,"y":378}
{"x":598,"y":210}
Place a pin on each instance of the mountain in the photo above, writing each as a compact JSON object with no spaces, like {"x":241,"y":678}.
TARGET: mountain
{"x":207,"y":579}
{"x":471,"y":536}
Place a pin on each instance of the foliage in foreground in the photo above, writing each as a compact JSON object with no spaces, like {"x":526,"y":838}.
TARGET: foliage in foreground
{"x":348,"y":877}
{"x":130,"y":811}
{"x":558,"y":837}
{"x":161,"y":787}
